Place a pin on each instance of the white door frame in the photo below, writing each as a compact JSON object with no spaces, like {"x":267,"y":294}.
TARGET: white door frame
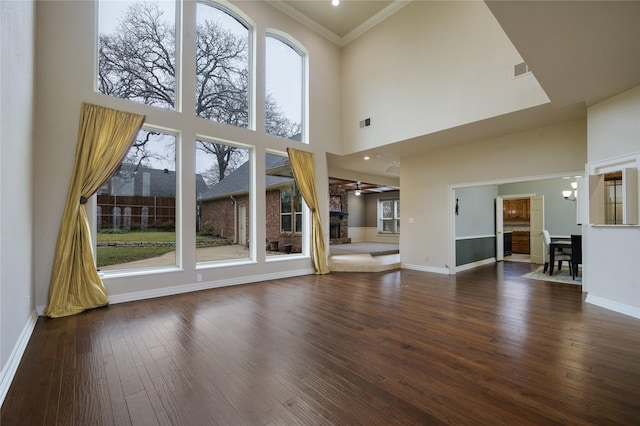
{"x":452,"y":203}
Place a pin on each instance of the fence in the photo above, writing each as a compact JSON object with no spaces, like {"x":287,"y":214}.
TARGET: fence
{"x":135,"y":212}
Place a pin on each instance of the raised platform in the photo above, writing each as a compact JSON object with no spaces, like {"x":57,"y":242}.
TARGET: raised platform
{"x":364,"y":257}
{"x":363,"y":262}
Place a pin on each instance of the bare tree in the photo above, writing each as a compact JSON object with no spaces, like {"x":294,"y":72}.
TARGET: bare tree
{"x":137,"y":62}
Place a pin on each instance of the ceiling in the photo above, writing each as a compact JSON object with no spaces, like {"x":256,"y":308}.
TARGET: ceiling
{"x":581,"y":52}
{"x":341,"y":23}
{"x":365,"y":187}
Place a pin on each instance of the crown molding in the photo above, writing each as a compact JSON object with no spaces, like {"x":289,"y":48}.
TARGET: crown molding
{"x":331,"y":36}
{"x":373,"y":21}
{"x":305,"y":20}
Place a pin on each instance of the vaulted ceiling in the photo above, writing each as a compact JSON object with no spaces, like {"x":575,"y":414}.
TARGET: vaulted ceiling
{"x":581,"y":53}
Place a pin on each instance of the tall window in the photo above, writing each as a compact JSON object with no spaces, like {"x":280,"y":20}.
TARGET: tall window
{"x":136,"y":208}
{"x":141,"y":44}
{"x":285,"y":95}
{"x":222,"y":67}
{"x":136,"y":51}
{"x":284,"y":210}
{"x":389,"y":216}
{"x":223,"y":177}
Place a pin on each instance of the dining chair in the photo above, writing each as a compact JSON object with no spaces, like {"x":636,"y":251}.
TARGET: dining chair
{"x":576,"y":254}
{"x":559,"y":255}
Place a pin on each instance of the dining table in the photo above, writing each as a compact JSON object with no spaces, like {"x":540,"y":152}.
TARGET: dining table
{"x":553,"y":246}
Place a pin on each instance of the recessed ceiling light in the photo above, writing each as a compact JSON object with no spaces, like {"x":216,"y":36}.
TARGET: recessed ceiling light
{"x":335,"y":2}
{"x":367,"y":157}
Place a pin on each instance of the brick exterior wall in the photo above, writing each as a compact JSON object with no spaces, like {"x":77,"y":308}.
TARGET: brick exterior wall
{"x":221,"y":214}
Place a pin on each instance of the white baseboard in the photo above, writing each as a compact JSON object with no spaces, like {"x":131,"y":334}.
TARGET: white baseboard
{"x":621,"y":308}
{"x":475,"y":264}
{"x":179,"y":289}
{"x":424,"y":268}
{"x":10,"y":368}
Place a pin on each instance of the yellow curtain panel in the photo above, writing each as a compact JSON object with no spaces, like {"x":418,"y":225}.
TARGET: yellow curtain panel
{"x":104,"y":137}
{"x":305,"y":176}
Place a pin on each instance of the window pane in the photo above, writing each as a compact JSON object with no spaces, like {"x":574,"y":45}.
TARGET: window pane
{"x":136,"y":51}
{"x":387,"y":209}
{"x":284,"y":224}
{"x":285,"y":201}
{"x":222,"y":67}
{"x":387,"y":226}
{"x":136,"y":211}
{"x":284,"y":84}
{"x":222,"y":195}
{"x":298,"y":222}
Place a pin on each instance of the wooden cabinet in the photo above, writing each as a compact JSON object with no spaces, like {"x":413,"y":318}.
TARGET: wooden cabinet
{"x":520,"y":242}
{"x":517,"y":210}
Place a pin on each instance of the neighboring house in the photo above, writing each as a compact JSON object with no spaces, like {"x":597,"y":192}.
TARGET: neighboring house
{"x":223,"y":209}
{"x":139,"y":197}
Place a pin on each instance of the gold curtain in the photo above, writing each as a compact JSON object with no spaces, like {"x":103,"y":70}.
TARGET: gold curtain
{"x":104,"y":137}
{"x":305,"y":176}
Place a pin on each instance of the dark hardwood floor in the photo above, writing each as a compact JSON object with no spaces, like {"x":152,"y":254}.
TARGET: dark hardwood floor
{"x":400,"y":347}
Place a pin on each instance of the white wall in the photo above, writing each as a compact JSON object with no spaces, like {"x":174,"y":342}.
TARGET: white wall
{"x":556,"y":149}
{"x":429,"y":67}
{"x":65,"y":78}
{"x":612,"y":253}
{"x":17,"y":313}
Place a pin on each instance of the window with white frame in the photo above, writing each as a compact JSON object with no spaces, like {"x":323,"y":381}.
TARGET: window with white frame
{"x":223,"y":200}
{"x":284,"y":99}
{"x":389,"y":216}
{"x":222,"y":66}
{"x":136,"y":208}
{"x":137,"y":51}
{"x":140,"y":47}
{"x":290,"y":210}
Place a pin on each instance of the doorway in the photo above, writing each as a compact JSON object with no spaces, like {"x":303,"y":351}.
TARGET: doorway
{"x":521,"y":224}
{"x":516,"y":218}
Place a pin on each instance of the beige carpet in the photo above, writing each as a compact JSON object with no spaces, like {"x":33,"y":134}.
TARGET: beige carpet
{"x":562,"y":276}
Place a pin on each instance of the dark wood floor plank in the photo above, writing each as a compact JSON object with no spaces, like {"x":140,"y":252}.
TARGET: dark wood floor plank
{"x":399,"y":347}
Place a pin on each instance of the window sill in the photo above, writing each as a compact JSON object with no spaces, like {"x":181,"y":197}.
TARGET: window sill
{"x":120,"y":273}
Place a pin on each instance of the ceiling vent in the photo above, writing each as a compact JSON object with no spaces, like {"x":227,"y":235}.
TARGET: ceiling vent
{"x":521,"y":69}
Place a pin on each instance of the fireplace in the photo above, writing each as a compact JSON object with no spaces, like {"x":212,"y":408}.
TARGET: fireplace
{"x":334,"y":231}
{"x":338,"y":217}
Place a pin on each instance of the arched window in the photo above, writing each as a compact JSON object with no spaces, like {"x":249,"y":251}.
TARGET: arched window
{"x":285,"y":82}
{"x":136,"y":51}
{"x":222,"y":66}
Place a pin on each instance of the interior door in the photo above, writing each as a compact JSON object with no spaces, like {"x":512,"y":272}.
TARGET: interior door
{"x":536,"y":224}
{"x":499,"y":230}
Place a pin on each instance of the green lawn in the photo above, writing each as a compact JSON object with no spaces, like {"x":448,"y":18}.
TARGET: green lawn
{"x":151,"y":236}
{"x":117,"y":255}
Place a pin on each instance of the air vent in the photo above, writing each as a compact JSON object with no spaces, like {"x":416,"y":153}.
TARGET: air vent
{"x":520,"y":69}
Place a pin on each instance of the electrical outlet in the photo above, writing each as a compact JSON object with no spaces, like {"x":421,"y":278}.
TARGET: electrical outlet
{"x":199,"y":277}
{"x":426,"y":258}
